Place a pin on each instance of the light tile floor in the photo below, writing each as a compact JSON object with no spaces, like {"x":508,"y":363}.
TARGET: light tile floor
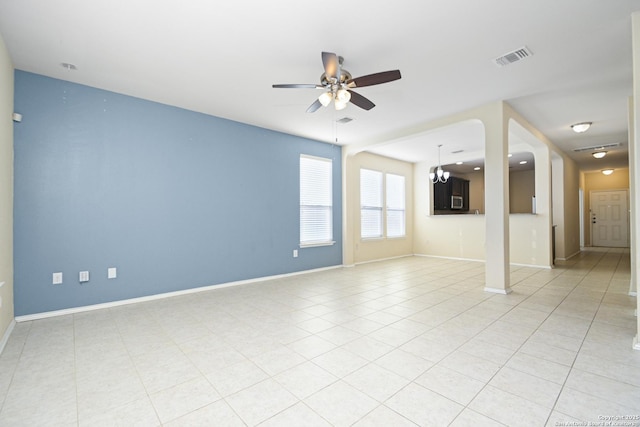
{"x":411,"y":341}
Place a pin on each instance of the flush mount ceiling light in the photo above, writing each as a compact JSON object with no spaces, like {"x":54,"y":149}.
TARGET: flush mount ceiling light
{"x":459,"y":163}
{"x":599,"y":154}
{"x":477,"y":168}
{"x":523,"y":162}
{"x":607,"y":171}
{"x":581,"y":127}
{"x":439,"y":175}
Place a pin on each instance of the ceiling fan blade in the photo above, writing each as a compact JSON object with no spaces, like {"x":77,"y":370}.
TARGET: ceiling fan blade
{"x":299,"y":86}
{"x":313,"y":107}
{"x":361,"y":101}
{"x":374,"y":79}
{"x":331,"y":64}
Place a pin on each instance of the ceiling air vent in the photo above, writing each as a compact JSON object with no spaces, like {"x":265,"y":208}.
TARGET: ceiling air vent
{"x":344,"y":120}
{"x":597,"y":147}
{"x":511,"y":57}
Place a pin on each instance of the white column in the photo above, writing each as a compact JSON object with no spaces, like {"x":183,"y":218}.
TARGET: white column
{"x":542,"y":157}
{"x":496,"y":196}
{"x":633,"y":282}
{"x":634,"y":155}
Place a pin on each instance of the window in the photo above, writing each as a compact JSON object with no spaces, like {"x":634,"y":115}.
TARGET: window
{"x":316,"y":201}
{"x":377,"y":191}
{"x":395,"y":206}
{"x":370,"y":204}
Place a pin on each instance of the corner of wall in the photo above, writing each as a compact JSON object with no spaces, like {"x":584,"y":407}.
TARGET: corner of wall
{"x":6,"y":193}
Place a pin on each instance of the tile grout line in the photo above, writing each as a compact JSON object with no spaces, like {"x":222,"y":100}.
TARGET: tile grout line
{"x":583,"y":339}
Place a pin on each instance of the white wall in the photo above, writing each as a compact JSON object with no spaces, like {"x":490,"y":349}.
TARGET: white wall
{"x":522,"y":187}
{"x":529,"y":239}
{"x":6,"y":191}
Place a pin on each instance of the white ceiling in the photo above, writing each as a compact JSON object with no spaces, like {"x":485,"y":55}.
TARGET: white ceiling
{"x":221,"y":58}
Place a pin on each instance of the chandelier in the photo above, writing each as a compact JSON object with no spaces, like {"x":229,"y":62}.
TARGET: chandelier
{"x":439,"y":175}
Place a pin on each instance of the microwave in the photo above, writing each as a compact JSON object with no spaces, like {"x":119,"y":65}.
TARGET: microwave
{"x":456,"y":202}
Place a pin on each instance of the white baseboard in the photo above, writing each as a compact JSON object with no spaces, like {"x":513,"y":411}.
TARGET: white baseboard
{"x":449,"y":257}
{"x":569,"y":257}
{"x":498,"y":290}
{"x":517,"y":264}
{"x":74,"y":310}
{"x":548,"y":267}
{"x":7,"y":334}
{"x":382,"y":259}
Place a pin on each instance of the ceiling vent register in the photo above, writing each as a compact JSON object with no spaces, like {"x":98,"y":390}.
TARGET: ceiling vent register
{"x":511,"y":57}
{"x":597,"y":147}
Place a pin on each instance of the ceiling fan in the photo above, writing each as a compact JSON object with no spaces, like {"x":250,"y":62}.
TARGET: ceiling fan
{"x":337,"y":83}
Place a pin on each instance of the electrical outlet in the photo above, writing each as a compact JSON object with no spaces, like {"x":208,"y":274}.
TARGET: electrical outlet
{"x":84,"y":276}
{"x":112,"y":273}
{"x":57,"y":278}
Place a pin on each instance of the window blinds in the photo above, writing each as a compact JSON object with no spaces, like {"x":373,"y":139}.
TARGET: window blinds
{"x":395,"y":206}
{"x":370,"y":204}
{"x":316,"y":201}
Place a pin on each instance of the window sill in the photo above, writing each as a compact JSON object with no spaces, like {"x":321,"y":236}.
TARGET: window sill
{"x":372,"y":239}
{"x":378,"y":239}
{"x":315,"y":245}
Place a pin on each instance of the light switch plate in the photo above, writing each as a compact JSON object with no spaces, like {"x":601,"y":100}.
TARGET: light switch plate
{"x":112,"y":273}
{"x":57,"y":278}
{"x":84,"y":276}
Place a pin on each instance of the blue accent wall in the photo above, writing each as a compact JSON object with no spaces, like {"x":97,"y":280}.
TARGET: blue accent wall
{"x":172,"y":198}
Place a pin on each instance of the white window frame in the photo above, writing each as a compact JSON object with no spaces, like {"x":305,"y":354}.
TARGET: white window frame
{"x":382,"y":205}
{"x":390,"y":208}
{"x":319,"y":203}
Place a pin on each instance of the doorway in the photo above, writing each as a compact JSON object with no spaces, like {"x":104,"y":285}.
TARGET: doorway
{"x":609,"y":218}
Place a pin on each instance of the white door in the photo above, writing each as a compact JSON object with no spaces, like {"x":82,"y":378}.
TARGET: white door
{"x":609,"y":219}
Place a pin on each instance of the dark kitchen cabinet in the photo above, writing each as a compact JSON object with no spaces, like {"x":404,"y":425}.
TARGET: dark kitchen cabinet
{"x":442,"y":193}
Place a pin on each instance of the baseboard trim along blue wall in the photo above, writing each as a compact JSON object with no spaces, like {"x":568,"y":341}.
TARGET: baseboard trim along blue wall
{"x":155,"y":297}
{"x":172,"y":198}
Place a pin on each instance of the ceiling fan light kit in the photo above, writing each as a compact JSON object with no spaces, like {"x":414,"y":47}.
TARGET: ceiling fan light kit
{"x":337,"y":84}
{"x":326,"y":98}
